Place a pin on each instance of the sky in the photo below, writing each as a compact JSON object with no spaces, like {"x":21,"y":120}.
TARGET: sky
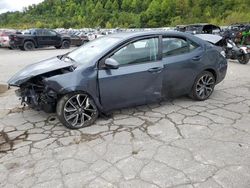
{"x":14,"y":5}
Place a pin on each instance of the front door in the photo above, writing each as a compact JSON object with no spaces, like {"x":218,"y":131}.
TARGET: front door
{"x":138,"y":80}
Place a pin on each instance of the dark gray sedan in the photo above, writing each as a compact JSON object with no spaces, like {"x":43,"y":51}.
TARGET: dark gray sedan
{"x":121,"y":70}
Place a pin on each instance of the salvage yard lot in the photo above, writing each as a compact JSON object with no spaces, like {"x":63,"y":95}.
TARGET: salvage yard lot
{"x":179,"y":143}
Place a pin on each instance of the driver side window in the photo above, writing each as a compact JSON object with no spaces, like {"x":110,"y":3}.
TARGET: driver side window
{"x":141,"y":51}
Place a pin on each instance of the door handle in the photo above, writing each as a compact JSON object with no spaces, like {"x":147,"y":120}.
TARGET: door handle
{"x":155,"y":69}
{"x":196,"y":58}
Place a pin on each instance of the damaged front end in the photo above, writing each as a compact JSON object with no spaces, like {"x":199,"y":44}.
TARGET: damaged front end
{"x":36,"y":94}
{"x":33,"y":90}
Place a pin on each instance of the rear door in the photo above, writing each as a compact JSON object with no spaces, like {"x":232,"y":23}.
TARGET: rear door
{"x":182,"y":59}
{"x":138,"y":80}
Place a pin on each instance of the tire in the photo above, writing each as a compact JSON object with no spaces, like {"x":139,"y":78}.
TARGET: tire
{"x":58,"y":47}
{"x":65,"y":44}
{"x":21,"y":48}
{"x":203,"y":86}
{"x":83,"y":42}
{"x":76,"y":110}
{"x":28,"y":46}
{"x":243,"y":59}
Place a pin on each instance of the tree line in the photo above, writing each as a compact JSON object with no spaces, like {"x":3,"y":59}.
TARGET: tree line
{"x":127,"y":13}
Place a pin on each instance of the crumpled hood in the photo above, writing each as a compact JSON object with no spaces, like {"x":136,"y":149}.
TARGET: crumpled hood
{"x":36,"y":69}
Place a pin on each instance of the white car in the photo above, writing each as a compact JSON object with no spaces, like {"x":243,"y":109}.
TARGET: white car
{"x":4,"y":38}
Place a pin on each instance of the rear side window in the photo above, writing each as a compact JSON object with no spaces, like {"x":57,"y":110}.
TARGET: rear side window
{"x":176,"y":46}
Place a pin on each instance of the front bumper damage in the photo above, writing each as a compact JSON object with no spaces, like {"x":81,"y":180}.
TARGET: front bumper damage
{"x":39,"y":98}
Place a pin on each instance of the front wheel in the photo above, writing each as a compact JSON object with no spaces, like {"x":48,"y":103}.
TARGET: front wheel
{"x":76,"y":110}
{"x":243,"y":59}
{"x":203,"y":86}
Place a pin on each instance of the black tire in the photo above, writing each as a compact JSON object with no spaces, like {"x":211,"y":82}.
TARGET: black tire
{"x":74,"y":114}
{"x":65,"y":44}
{"x":203,"y":86}
{"x":21,"y":48}
{"x":243,"y":59}
{"x":58,"y":47}
{"x":83,"y":42}
{"x":28,"y":45}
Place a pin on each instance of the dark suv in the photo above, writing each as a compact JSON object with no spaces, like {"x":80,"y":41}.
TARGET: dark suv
{"x":36,"y":38}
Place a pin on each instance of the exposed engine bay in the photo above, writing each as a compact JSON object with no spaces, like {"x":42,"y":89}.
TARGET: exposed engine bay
{"x":36,"y":94}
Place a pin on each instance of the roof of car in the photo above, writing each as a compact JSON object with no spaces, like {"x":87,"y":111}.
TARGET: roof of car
{"x":132,"y":34}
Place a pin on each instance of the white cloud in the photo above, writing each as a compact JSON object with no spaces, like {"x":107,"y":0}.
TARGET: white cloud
{"x":14,"y":5}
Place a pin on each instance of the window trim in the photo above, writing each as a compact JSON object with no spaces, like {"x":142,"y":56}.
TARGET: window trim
{"x":120,"y":46}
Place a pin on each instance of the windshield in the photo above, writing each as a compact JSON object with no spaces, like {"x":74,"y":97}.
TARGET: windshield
{"x":89,"y":51}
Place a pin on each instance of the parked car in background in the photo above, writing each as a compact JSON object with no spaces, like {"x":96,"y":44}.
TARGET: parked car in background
{"x":181,"y":28}
{"x":4,"y":38}
{"x":121,"y":70}
{"x":202,"y":29}
{"x":37,"y":38}
{"x":77,"y":40}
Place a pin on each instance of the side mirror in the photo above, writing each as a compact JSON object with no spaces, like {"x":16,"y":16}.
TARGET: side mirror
{"x":111,"y":63}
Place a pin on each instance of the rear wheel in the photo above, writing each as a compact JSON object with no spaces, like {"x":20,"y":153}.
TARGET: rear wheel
{"x":203,"y":86}
{"x":28,"y":45}
{"x":76,"y":110}
{"x":65,"y":44}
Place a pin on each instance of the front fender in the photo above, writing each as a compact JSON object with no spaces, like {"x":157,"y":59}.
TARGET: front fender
{"x":75,"y":81}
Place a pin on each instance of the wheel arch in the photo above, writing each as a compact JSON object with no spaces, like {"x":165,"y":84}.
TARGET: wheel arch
{"x":213,"y":72}
{"x":69,"y":90}
{"x":65,"y":39}
{"x":30,"y":40}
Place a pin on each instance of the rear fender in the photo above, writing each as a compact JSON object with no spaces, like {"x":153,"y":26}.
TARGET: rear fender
{"x":32,"y":40}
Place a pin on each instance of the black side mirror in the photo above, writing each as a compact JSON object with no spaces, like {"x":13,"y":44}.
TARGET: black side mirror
{"x":111,"y":63}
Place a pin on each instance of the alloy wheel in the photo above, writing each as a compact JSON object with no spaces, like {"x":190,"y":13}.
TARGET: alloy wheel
{"x":205,"y":86}
{"x":79,"y":110}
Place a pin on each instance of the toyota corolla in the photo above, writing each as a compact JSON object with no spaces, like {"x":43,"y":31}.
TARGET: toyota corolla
{"x":121,"y":70}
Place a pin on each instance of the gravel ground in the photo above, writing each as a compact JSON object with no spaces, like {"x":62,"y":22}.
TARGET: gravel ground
{"x":179,"y":143}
